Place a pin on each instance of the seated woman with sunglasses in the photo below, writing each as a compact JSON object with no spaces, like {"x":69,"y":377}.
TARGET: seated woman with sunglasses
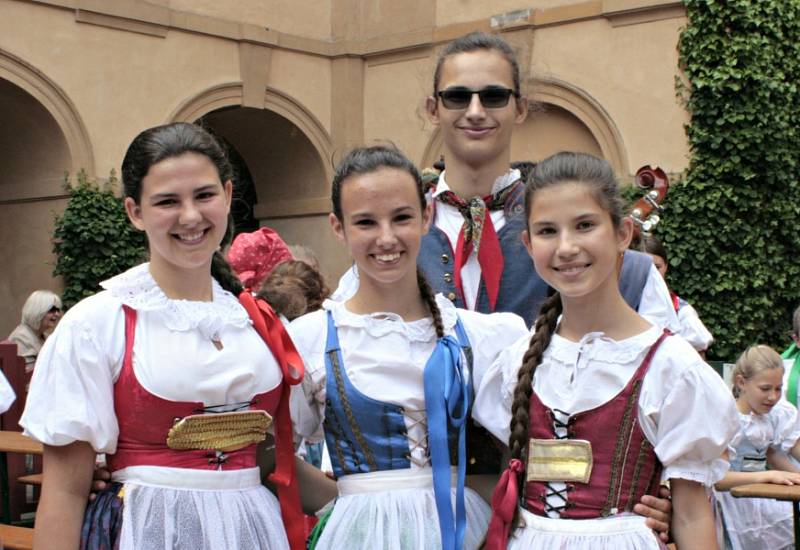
{"x":40,"y":315}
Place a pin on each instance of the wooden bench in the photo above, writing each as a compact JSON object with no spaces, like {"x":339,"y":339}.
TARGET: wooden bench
{"x":16,"y":538}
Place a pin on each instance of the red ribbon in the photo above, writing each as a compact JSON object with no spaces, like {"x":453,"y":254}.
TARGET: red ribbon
{"x":270,"y":328}
{"x":505,"y":499}
{"x":490,"y":258}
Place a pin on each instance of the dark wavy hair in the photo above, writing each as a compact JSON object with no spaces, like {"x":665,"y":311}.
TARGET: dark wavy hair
{"x":173,"y":140}
{"x":294,"y":288}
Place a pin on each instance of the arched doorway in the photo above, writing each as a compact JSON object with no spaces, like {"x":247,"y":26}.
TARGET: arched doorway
{"x":551,"y":129}
{"x":35,"y":155}
{"x":277,"y":164}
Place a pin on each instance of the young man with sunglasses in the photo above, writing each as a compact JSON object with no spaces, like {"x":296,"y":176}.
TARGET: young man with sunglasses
{"x":473,"y":253}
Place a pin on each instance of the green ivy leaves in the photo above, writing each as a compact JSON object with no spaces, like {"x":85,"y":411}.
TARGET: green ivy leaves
{"x":731,"y":227}
{"x":93,"y":239}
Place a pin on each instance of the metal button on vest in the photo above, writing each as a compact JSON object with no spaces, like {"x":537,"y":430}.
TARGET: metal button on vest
{"x":448,"y":277}
{"x":451,"y":296}
{"x":445,"y":258}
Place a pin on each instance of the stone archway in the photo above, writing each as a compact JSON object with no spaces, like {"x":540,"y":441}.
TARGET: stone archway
{"x":55,"y":101}
{"x":231,"y":95}
{"x":286,"y":151}
{"x":591,"y":114}
{"x":42,"y":137}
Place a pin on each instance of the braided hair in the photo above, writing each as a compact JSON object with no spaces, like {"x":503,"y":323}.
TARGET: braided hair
{"x":173,"y":140}
{"x":429,"y":298}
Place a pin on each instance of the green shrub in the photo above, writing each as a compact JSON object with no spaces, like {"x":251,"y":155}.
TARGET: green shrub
{"x":730,"y":227}
{"x":93,"y":238}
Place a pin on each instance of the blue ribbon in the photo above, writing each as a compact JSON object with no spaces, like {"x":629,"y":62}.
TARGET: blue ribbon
{"x":447,"y":400}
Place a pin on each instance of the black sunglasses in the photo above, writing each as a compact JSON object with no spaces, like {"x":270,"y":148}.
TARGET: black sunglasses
{"x":54,"y":309}
{"x":493,"y":97}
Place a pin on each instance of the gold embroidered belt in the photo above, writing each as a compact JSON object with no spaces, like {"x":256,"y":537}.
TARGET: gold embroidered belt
{"x":227,"y":432}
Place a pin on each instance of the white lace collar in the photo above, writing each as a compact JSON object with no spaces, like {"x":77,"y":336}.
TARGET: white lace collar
{"x":379,"y":324}
{"x":137,"y":289}
{"x":597,"y":347}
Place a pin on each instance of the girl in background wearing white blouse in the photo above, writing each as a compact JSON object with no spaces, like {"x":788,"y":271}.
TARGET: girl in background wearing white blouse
{"x":389,"y":373}
{"x":769,"y":428}
{"x":164,"y":341}
{"x":616,"y":402}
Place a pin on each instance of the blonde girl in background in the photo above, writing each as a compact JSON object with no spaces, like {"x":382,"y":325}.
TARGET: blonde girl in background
{"x":597,"y":387}
{"x":768,"y":428}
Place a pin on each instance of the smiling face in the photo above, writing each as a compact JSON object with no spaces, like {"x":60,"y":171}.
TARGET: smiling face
{"x":382,"y":224}
{"x":761,"y":392}
{"x":573,"y":242}
{"x":184,"y":211}
{"x":475,"y":135}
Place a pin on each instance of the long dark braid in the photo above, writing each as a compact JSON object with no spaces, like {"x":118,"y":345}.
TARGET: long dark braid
{"x":545,"y":326}
{"x":430,"y":299}
{"x":221,"y":269}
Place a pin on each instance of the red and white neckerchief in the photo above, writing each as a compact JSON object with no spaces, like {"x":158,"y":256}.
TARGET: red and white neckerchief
{"x":478,"y":234}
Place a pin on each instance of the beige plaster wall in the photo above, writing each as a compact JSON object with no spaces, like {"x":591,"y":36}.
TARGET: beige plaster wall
{"x":309,"y":18}
{"x":360,"y":19}
{"x":395,"y":88}
{"x":449,"y":12}
{"x":600,"y":60}
{"x":305,"y":78}
{"x":26,"y":260}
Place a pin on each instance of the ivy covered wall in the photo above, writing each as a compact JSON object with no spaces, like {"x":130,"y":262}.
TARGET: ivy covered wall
{"x":731,"y":228}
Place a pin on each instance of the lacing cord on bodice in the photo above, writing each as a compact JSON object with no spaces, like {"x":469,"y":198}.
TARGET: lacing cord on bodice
{"x":417,"y":424}
{"x":228,"y":407}
{"x":558,"y":491}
